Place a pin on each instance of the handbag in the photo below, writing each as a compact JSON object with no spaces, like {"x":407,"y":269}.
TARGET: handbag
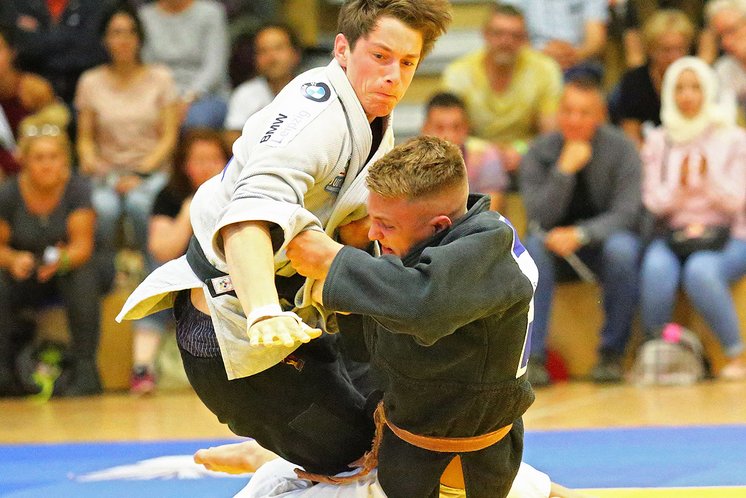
{"x":713,"y":238}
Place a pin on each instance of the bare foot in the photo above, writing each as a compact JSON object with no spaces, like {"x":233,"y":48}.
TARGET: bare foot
{"x":235,"y":458}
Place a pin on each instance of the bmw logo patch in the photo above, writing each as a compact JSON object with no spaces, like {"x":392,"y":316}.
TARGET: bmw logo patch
{"x":318,"y":92}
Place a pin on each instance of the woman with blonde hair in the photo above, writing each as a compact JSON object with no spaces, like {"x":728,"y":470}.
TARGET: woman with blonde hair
{"x":667,"y":35}
{"x":46,"y":244}
{"x":694,"y":184}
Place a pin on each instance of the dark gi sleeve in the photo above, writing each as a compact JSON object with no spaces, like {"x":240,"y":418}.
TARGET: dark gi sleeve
{"x":452,"y":284}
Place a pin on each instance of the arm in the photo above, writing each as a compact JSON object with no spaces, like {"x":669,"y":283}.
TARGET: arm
{"x":625,"y":206}
{"x":86,"y":143}
{"x":433,"y":298}
{"x":19,"y":264}
{"x":81,"y":225}
{"x":254,"y":282}
{"x":593,"y":42}
{"x":168,"y":237}
{"x":169,"y":127}
{"x":545,"y":189}
{"x":634,"y":52}
{"x":658,"y":194}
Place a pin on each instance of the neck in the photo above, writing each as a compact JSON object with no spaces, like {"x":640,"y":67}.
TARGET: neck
{"x":175,"y":6}
{"x":124,"y":68}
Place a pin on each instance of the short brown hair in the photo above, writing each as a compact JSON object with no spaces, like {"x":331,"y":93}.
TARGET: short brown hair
{"x":420,"y":167}
{"x":357,"y":18}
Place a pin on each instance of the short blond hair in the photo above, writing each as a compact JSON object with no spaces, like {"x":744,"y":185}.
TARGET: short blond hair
{"x":418,"y":168}
{"x":357,"y":18}
{"x":664,"y":21}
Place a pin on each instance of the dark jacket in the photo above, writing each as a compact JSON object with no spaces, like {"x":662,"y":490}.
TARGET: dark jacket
{"x":446,"y":325}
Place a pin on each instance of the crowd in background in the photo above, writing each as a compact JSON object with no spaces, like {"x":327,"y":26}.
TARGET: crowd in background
{"x":617,"y":122}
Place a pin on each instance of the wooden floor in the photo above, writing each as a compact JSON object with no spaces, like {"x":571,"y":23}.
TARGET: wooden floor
{"x":180,"y":415}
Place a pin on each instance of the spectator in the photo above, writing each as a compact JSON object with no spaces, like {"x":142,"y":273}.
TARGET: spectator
{"x":667,"y":35}
{"x":695,"y":185}
{"x":581,"y":186}
{"x":190,"y":37}
{"x":510,"y":90}
{"x":58,"y":39}
{"x":728,"y":20}
{"x":446,"y":118}
{"x":46,"y":243}
{"x":127,"y":128}
{"x":199,"y":156}
{"x":277,"y":55}
{"x":572,"y":33}
{"x":21,"y":95}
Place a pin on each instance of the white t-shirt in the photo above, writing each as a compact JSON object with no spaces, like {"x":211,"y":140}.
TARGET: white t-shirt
{"x":246,"y":99}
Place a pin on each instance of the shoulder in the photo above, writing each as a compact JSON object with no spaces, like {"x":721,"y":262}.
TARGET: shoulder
{"x":467,"y":62}
{"x":93,"y":76}
{"x":35,"y":92}
{"x":538,"y":62}
{"x":79,"y":187}
{"x":303,"y":101}
{"x":209,"y":7}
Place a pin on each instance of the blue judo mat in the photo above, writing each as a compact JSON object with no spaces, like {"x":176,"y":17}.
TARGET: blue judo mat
{"x":608,"y":458}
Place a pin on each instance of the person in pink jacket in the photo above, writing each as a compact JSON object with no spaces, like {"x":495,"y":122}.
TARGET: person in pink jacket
{"x":694,"y":185}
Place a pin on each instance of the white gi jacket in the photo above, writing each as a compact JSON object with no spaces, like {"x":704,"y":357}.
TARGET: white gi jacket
{"x":299,"y":163}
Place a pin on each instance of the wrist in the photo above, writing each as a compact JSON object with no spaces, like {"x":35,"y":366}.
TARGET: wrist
{"x":262,"y":313}
{"x":582,"y":235}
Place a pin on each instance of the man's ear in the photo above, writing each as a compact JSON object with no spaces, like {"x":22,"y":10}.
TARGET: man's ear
{"x":341,"y":49}
{"x":440,"y":223}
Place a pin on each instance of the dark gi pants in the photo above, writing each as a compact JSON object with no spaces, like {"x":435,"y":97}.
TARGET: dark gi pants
{"x":310,"y":415}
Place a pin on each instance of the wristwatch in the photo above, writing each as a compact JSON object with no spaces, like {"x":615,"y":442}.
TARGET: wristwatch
{"x":583,"y":236}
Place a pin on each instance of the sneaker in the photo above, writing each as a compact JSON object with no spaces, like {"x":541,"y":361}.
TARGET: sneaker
{"x":734,"y":370}
{"x":537,"y":373}
{"x":608,"y":370}
{"x":142,"y":381}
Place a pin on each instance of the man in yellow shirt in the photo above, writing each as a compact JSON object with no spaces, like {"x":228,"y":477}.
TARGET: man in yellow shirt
{"x":511,"y":90}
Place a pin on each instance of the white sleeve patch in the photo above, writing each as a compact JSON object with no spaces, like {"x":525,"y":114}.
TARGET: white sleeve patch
{"x":296,"y":112}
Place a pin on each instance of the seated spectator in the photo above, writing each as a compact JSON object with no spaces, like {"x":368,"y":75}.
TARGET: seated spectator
{"x":57,"y":39}
{"x":199,"y":156}
{"x":190,"y":37}
{"x":510,"y":90}
{"x":21,"y":95}
{"x":46,"y":243}
{"x":694,"y":184}
{"x":277,"y":54}
{"x":127,"y":129}
{"x":667,"y":36}
{"x":728,"y":20}
{"x":446,"y":118}
{"x":572,"y":33}
{"x":581,"y":187}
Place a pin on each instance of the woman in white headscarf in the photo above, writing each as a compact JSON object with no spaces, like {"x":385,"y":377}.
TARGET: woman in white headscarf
{"x":694,"y":184}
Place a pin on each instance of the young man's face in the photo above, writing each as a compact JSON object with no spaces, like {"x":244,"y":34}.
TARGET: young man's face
{"x":382,"y":64}
{"x":448,"y":123}
{"x":398,"y":224}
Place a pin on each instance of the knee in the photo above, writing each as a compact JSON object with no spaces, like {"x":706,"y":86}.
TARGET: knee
{"x":622,"y":250}
{"x":702,"y":270}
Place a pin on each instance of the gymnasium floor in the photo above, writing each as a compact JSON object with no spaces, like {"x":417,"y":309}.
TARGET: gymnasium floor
{"x":614,"y":442}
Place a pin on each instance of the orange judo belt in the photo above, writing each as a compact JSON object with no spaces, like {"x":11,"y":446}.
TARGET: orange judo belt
{"x":444,"y":444}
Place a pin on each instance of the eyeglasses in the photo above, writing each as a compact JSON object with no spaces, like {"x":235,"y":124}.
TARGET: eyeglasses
{"x":45,"y":130}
